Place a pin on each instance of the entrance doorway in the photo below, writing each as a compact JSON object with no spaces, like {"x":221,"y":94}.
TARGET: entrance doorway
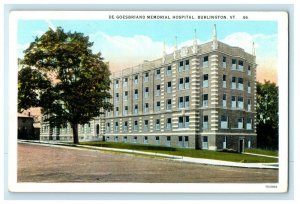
{"x":204,"y":142}
{"x":97,"y":130}
{"x":241,"y":146}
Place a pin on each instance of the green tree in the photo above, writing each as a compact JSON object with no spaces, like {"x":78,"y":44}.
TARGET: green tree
{"x":60,"y":74}
{"x":267,"y":115}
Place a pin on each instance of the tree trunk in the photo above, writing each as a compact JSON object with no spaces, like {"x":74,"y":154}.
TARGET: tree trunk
{"x":75,"y":133}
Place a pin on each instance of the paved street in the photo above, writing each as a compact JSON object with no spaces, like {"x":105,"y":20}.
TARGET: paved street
{"x":38,"y":163}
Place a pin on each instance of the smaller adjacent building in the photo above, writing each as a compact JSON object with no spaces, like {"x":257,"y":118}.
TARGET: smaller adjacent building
{"x":27,"y":129}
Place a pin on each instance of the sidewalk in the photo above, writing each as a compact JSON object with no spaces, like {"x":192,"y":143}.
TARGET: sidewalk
{"x":167,"y":156}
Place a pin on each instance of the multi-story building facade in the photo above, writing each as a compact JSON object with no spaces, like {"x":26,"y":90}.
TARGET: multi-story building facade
{"x":199,"y":96}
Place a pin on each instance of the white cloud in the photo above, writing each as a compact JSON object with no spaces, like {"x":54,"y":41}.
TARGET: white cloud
{"x":21,"y":48}
{"x":38,"y":33}
{"x":50,"y":24}
{"x":265,"y":44}
{"x":123,"y":52}
{"x":240,"y":39}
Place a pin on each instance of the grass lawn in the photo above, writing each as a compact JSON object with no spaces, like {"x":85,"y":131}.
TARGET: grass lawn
{"x":205,"y":154}
{"x":262,"y":151}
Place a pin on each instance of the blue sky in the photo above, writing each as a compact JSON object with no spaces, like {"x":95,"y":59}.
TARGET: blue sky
{"x":127,"y":43}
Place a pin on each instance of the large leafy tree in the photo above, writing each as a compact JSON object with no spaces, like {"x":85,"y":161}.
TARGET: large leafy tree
{"x":267,"y":115}
{"x":61,"y":74}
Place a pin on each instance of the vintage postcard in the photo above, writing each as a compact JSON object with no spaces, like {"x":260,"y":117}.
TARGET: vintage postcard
{"x":129,"y":101}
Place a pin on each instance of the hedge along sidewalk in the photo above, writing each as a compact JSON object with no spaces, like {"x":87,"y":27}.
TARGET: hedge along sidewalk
{"x":185,"y":152}
{"x":191,"y":159}
{"x":167,"y":156}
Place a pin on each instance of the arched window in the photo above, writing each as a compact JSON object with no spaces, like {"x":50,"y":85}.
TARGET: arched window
{"x":97,"y":129}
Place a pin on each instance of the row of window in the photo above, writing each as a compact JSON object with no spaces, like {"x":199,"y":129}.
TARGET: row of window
{"x":182,"y":141}
{"x":81,"y":129}
{"x":237,"y":102}
{"x":183,"y":122}
{"x":184,"y":84}
{"x":184,"y":66}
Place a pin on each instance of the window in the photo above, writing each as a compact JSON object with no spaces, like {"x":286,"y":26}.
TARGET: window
{"x":224,"y":103}
{"x":233,"y":64}
{"x":249,"y":124}
{"x":135,"y":139}
{"x":125,"y":139}
{"x":136,"y":94}
{"x":224,"y":122}
{"x":168,"y":138}
{"x":187,"y":65}
{"x":240,"y":123}
{"x":116,"y":139}
{"x":187,"y":122}
{"x":169,"y":71}
{"x":125,"y":128}
{"x":187,"y":102}
{"x":169,"y":87}
{"x":125,"y":95}
{"x":249,"y":105}
{"x":224,"y":81}
{"x":224,"y":62}
{"x":136,"y":79}
{"x":241,"y":66}
{"x":205,"y":62}
{"x":205,"y":81}
{"x":180,"y":86}
{"x":183,"y":122}
{"x":205,"y":100}
{"x":249,"y":70}
{"x":240,"y":84}
{"x":135,"y":126}
{"x":146,"y":107}
{"x":240,"y":102}
{"x":125,"y":81}
{"x":184,"y":65}
{"x":157,"y":74}
{"x":136,"y":109}
{"x":107,"y":127}
{"x":146,"y":125}
{"x":180,"y":102}
{"x":117,"y":96}
{"x":233,"y":83}
{"x":146,"y":93}
{"x":181,"y":67}
{"x":184,"y":83}
{"x":157,"y":124}
{"x":116,"y":111}
{"x":233,"y":102}
{"x":117,"y":84}
{"x":187,"y":83}
{"x":157,"y":93}
{"x":179,"y":138}
{"x":116,"y":126}
{"x":125,"y":110}
{"x":169,"y":124}
{"x":146,"y":77}
{"x":184,"y":102}
{"x":157,"y":106}
{"x":157,"y":140}
{"x":169,"y":104}
{"x":145,"y":140}
{"x":249,"y":87}
{"x":205,"y":122}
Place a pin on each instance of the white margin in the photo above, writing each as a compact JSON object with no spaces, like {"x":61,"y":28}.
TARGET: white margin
{"x":14,"y":186}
